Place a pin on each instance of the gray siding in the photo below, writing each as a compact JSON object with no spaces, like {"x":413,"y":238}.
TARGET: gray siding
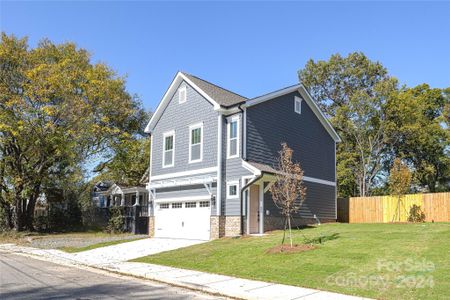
{"x":272,"y":122}
{"x":179,"y":117}
{"x":320,"y":200}
{"x":183,"y":191}
{"x":232,"y":171}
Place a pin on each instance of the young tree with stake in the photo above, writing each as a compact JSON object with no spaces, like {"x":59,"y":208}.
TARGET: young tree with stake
{"x":288,"y":191}
{"x":399,"y":182}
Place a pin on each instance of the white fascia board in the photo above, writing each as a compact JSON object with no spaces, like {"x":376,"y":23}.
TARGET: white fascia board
{"x":184,"y":173}
{"x":318,"y":112}
{"x":180,"y":77}
{"x":251,"y":168}
{"x":272,"y":95}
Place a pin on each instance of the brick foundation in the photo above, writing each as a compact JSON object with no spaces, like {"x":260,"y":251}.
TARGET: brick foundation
{"x":216,"y":228}
{"x":232,"y":225}
{"x":151,"y":226}
{"x":225,"y":226}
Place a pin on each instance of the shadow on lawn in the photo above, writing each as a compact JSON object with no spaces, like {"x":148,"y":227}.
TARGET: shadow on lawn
{"x":302,"y":227}
{"x":321,"y":239}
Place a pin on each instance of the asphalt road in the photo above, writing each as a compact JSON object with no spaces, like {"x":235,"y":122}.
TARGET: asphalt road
{"x":26,"y":278}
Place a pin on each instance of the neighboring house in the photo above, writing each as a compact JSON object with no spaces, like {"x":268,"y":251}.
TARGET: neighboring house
{"x":213,"y":154}
{"x":132,"y":199}
{"x":108,"y":194}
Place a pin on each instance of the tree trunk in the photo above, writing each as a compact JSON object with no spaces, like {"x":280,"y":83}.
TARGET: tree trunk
{"x":29,"y":211}
{"x":284,"y":231}
{"x":6,"y":207}
{"x":19,"y":208}
{"x":290,"y":231}
{"x":18,"y":214}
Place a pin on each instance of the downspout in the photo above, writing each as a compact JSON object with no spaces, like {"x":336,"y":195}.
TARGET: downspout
{"x":243,"y":133}
{"x":219,"y":165}
{"x":242,"y":156}
{"x":244,"y":188}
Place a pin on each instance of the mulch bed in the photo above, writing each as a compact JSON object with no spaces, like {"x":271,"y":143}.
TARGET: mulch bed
{"x":288,"y":249}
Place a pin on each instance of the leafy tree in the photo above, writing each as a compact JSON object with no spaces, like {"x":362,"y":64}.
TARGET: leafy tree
{"x":128,"y":162}
{"x":399,"y":181}
{"x":418,"y":126}
{"x":57,"y":109}
{"x":288,"y":191}
{"x":352,"y":91}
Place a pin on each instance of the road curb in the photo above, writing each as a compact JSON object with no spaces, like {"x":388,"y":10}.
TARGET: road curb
{"x":104,"y":270}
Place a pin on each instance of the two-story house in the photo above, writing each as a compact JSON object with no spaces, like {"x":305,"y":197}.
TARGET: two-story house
{"x":213,"y":154}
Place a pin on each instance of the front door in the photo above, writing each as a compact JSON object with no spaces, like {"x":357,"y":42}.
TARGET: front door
{"x":254,"y":209}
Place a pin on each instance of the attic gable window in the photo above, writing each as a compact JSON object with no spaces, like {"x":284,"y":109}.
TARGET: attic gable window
{"x":182,"y":95}
{"x":298,"y":105}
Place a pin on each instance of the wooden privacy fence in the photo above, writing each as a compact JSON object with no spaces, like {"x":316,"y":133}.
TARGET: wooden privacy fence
{"x":384,"y":209}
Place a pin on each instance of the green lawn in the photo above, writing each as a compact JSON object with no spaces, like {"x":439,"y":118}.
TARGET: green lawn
{"x":387,"y":261}
{"x":94,"y":246}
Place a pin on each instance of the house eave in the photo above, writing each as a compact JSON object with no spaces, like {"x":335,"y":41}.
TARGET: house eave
{"x":179,"y":77}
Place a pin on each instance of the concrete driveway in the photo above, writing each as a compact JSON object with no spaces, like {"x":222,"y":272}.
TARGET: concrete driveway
{"x":131,"y":250}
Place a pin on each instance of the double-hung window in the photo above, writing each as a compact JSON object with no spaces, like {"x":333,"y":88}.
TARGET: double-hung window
{"x":298,"y":105}
{"x":195,"y":143}
{"x":168,"y":149}
{"x":233,"y":138}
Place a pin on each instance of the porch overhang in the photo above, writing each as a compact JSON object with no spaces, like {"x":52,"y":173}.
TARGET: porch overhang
{"x":205,"y":180}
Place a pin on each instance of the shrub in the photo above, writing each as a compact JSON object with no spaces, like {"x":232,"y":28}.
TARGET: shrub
{"x":416,"y":214}
{"x":116,"y":221}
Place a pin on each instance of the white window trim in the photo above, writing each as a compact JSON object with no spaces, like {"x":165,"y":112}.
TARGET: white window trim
{"x":299,"y":101}
{"x":191,"y":127}
{"x":231,"y":183}
{"x":237,"y":119}
{"x":182,"y":89}
{"x":166,"y":134}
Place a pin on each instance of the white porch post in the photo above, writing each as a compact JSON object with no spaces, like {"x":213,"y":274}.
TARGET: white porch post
{"x":248,"y":209}
{"x":122,"y":199}
{"x":136,"y":203}
{"x":261,"y":207}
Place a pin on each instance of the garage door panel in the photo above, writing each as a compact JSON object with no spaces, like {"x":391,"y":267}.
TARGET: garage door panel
{"x":186,"y":222}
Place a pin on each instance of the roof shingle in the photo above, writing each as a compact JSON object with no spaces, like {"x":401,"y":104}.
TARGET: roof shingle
{"x":222,"y":96}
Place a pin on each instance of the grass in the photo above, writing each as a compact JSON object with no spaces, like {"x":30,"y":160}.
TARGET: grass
{"x":97,"y":245}
{"x":387,"y":261}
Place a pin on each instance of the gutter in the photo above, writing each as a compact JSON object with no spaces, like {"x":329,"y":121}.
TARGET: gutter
{"x":244,"y":188}
{"x":242,"y":132}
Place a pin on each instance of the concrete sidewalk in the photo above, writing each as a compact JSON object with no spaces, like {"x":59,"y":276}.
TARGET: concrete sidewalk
{"x":195,"y":280}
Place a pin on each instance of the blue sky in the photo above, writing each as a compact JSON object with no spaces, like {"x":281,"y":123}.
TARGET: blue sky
{"x":248,"y":47}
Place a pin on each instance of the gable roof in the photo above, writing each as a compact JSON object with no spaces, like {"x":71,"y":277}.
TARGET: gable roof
{"x":222,"y":96}
{"x":194,"y":82}
{"x":308,"y":99}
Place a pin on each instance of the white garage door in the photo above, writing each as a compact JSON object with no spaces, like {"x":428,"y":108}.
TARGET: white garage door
{"x":187,"y":219}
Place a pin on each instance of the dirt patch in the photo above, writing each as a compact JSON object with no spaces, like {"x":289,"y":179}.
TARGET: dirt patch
{"x":288,"y":249}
